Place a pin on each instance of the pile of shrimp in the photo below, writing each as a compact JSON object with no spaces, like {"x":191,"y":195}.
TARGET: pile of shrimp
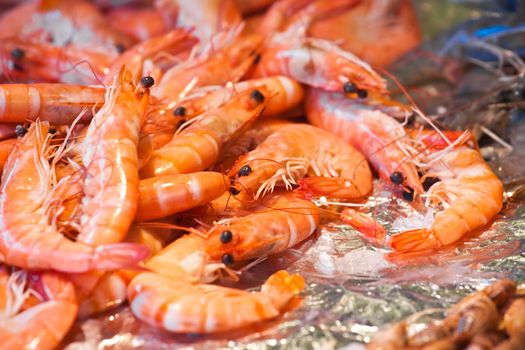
{"x":150,"y":150}
{"x":492,"y":318}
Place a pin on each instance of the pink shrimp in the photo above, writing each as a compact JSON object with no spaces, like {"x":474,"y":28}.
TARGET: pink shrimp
{"x":333,"y":168}
{"x":381,"y":138}
{"x":42,"y":325}
{"x":28,"y":240}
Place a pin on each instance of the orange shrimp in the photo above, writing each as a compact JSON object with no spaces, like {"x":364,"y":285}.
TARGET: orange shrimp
{"x":40,"y":326}
{"x":56,"y":103}
{"x":178,"y":305}
{"x":111,"y":184}
{"x":284,"y":94}
{"x":275,"y":225}
{"x":199,"y":146}
{"x":228,"y":63}
{"x":380,"y":137}
{"x":172,"y":42}
{"x":6,"y":146}
{"x":364,"y":224}
{"x":165,"y":195}
{"x":470,"y":195}
{"x":378,"y":32}
{"x":205,"y":17}
{"x":334,"y":168}
{"x":28,"y":240}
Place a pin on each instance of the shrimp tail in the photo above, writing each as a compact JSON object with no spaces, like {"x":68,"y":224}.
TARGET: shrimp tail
{"x":418,"y":239}
{"x":367,"y":226}
{"x":331,"y":187}
{"x":281,"y":287}
{"x":119,"y":255}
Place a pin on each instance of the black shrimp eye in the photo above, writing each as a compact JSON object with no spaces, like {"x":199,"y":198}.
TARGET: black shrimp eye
{"x":227,"y":259}
{"x":147,"y":81}
{"x":234,"y":191}
{"x":349,"y":88}
{"x":120,"y":48}
{"x":396,"y":177}
{"x":17,"y":53}
{"x":257,"y":96}
{"x":52,"y":131}
{"x":226,"y":236}
{"x":362,"y":93}
{"x":245,"y":170}
{"x":257,"y":59}
{"x":20,"y":130}
{"x":179,"y":111}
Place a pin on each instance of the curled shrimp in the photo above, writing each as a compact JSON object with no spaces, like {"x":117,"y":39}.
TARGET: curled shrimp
{"x":470,"y":193}
{"x":42,"y":325}
{"x":6,"y":146}
{"x":28,"y":240}
{"x":323,"y":164}
{"x":273,"y":226}
{"x":177,"y":305}
{"x":380,"y":137}
{"x":199,"y":146}
{"x":55,"y":103}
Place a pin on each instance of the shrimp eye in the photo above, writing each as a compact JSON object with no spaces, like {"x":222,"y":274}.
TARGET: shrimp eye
{"x":349,"y":88}
{"x":226,"y":236}
{"x":362,"y":93}
{"x":257,"y":96}
{"x":20,"y":130}
{"x":17,"y":53}
{"x":120,"y":48}
{"x":257,"y":59}
{"x":408,"y":195}
{"x":396,"y":177}
{"x":245,"y":170}
{"x":147,"y":81}
{"x":179,"y":112}
{"x":227,"y":259}
{"x":52,"y":131}
{"x":234,"y":191}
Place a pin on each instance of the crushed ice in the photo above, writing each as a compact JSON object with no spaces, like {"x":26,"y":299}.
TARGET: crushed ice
{"x":413,"y":221}
{"x":358,"y":261}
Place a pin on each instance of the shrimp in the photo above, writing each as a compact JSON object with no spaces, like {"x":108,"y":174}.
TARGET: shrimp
{"x":56,"y":103}
{"x":315,"y":62}
{"x":6,"y":146}
{"x":514,"y":320}
{"x":227,"y":63}
{"x":165,"y":195}
{"x":173,"y":42}
{"x":364,"y":224}
{"x":378,"y":32}
{"x":199,"y":146}
{"x":274,"y":226}
{"x":40,"y":326}
{"x":334,"y":168}
{"x":111,"y":184}
{"x":177,"y":305}
{"x":470,"y":193}
{"x":284,"y":94}
{"x":27,"y":240}
{"x":381,"y":138}
{"x":24,"y":61}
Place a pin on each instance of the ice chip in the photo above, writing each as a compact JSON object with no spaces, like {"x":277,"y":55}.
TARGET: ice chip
{"x":361,"y":261}
{"x":414,"y":221}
